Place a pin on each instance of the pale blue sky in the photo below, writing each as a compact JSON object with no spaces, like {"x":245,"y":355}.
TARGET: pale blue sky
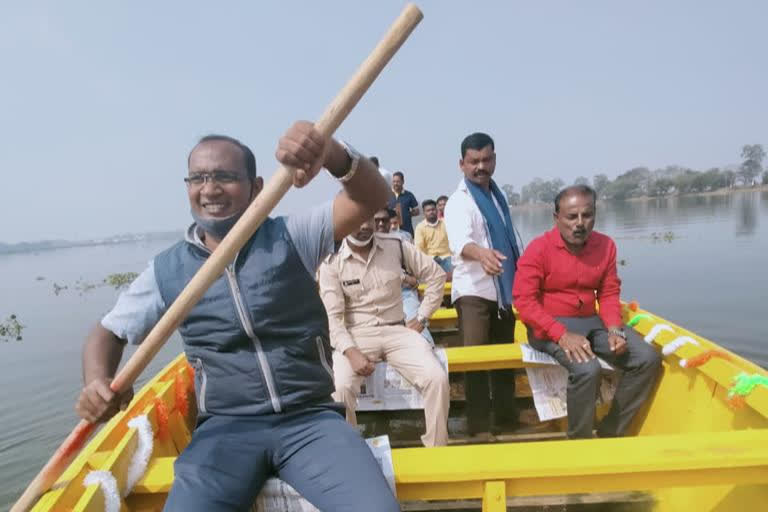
{"x":101,"y":101}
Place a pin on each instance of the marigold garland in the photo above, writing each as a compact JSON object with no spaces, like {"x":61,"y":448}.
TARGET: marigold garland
{"x":161,"y":409}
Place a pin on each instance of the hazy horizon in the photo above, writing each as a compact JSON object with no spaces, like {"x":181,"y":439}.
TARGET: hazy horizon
{"x":102,"y":102}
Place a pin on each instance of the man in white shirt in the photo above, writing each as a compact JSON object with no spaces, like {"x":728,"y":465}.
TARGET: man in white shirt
{"x":485,"y":253}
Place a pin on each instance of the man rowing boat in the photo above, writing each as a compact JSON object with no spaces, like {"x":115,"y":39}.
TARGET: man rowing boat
{"x":261,"y":357}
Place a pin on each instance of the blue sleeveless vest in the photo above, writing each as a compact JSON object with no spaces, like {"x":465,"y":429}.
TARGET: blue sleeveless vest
{"x":258,"y":338}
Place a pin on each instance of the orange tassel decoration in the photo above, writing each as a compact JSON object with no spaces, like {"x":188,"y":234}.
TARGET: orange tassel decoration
{"x":704,"y":358}
{"x":737,"y":402}
{"x":161,"y":409}
{"x":191,"y":375}
{"x":181,"y":391}
{"x":633,"y":306}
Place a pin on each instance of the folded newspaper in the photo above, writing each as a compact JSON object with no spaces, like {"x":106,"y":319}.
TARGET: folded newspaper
{"x":386,"y":390}
{"x":549,"y":383}
{"x":278,"y":496}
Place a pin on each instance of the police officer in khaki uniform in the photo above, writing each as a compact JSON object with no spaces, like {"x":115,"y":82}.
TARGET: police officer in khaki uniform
{"x":360,"y":287}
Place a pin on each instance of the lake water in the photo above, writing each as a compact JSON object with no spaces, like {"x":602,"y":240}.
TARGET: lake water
{"x":708,"y":276}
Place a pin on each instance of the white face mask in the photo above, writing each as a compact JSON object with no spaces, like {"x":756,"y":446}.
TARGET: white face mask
{"x":359,"y":243}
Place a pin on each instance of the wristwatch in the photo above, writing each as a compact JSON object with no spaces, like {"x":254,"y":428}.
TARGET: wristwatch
{"x":423,"y":321}
{"x":618,"y":331}
{"x":354,"y":158}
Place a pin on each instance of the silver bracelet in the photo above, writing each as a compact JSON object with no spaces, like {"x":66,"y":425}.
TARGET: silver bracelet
{"x":354,"y":157}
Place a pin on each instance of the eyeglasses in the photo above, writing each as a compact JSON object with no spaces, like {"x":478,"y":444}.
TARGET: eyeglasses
{"x":381,"y":220}
{"x":215,"y":177}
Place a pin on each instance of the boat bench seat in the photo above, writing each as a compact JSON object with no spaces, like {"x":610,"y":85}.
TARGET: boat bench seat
{"x":493,"y":472}
{"x":486,"y":357}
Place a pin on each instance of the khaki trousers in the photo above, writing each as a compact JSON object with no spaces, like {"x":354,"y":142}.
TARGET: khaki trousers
{"x":408,"y":353}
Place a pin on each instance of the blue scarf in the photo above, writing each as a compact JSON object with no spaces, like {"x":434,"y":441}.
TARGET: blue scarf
{"x":501,"y":233}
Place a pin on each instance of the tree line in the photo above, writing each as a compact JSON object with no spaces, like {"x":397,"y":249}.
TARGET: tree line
{"x":643,"y":182}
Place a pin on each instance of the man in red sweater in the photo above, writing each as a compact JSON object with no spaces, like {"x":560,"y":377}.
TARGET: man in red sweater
{"x":558,"y":278}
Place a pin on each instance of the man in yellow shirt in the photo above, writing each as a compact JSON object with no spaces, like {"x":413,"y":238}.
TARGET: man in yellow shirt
{"x":432,"y":238}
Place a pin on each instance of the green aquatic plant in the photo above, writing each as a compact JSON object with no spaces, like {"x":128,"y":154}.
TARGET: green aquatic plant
{"x":117,"y":281}
{"x":10,"y":329}
{"x":120,"y":280}
{"x":667,"y":236}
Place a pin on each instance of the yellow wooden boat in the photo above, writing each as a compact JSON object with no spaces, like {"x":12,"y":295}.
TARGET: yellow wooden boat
{"x":690,"y":449}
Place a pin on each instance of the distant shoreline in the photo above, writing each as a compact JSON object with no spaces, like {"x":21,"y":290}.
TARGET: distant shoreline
{"x":718,"y":192}
{"x":52,"y":245}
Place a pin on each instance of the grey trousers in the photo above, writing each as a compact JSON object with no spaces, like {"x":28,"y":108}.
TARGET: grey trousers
{"x":640,"y":363}
{"x":314,"y":450}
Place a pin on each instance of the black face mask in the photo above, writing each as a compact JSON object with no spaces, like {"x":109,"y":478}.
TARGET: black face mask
{"x":216,"y":227}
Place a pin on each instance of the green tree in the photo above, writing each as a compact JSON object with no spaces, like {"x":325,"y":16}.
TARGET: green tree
{"x":513,"y":198}
{"x":765,"y":178}
{"x":752,"y":166}
{"x":685,"y":182}
{"x":599,"y":183}
{"x":661,"y":187}
{"x":632,"y":183}
{"x":550,"y":189}
{"x":581,"y":180}
{"x":531,"y":191}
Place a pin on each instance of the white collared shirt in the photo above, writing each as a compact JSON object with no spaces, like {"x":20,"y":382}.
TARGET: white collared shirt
{"x":465,"y":224}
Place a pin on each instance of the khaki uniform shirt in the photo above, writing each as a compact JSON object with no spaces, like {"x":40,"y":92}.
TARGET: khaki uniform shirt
{"x":362,"y":293}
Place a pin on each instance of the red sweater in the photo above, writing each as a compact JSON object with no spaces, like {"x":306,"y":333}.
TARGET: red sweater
{"x":550,"y":281}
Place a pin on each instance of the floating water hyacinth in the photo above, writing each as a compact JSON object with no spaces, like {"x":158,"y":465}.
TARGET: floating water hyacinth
{"x":11,"y":329}
{"x":117,"y":281}
{"x":121,"y":279}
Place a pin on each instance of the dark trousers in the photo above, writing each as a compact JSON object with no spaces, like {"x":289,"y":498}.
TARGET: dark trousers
{"x":640,"y":363}
{"x":479,"y":324}
{"x":314,"y":450}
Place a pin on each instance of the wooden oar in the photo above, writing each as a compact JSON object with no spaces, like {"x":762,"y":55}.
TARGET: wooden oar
{"x":259,"y":209}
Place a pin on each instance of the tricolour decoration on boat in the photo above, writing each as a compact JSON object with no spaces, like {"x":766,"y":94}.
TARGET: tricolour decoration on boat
{"x":108,"y":485}
{"x":138,"y":466}
{"x":743,"y":385}
{"x":140,"y":459}
{"x":635,"y":319}
{"x":655,"y":331}
{"x":163,"y":418}
{"x":181,"y":394}
{"x":703,"y":358}
{"x":671,"y":347}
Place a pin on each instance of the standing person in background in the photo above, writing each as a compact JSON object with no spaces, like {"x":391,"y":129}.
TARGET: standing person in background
{"x":409,"y":206}
{"x":441,"y":206}
{"x":432,"y":238}
{"x":485,"y":254}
